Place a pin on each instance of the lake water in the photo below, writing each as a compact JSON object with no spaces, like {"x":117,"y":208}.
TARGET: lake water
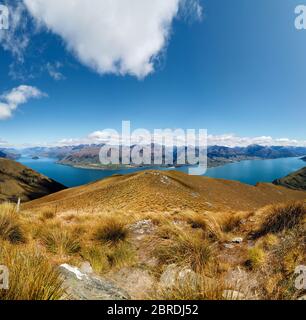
{"x":251,"y":171}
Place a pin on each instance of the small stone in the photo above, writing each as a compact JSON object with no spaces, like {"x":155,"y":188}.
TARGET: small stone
{"x":237,"y":240}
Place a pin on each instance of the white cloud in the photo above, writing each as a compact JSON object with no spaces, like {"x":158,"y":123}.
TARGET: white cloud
{"x":3,"y":143}
{"x":54,"y":70}
{"x":120,"y":37}
{"x":16,"y":39}
{"x":232,"y":140}
{"x":226,"y":140}
{"x":10,"y":101}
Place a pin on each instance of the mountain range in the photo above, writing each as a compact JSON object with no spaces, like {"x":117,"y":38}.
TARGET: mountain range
{"x":88,"y":155}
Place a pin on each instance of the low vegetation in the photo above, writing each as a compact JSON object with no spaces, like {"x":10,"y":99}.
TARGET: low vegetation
{"x":256,"y":258}
{"x":282,"y":217}
{"x":111,"y":230}
{"x":60,"y":240}
{"x":183,"y":247}
{"x":203,"y":288}
{"x":32,"y":277}
{"x":34,"y":243}
{"x":10,"y":225}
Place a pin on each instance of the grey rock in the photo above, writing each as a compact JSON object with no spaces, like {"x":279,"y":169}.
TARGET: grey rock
{"x":86,"y":268}
{"x":173,"y":275}
{"x":142,"y":228}
{"x":81,"y":286}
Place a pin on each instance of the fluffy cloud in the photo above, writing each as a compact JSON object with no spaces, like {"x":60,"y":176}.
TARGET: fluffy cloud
{"x":231,"y":140}
{"x":226,"y":140}
{"x":54,"y":71}
{"x":10,"y":101}
{"x":120,"y":37}
{"x":16,"y":39}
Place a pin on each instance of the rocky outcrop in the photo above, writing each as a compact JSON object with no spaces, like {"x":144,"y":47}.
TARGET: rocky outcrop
{"x":83,"y":286}
{"x":174,"y":275}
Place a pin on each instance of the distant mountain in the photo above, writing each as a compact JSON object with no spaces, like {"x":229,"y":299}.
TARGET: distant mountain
{"x":295,"y":180}
{"x":263,"y":152}
{"x":9,"y":154}
{"x":18,"y":181}
{"x":88,"y":155}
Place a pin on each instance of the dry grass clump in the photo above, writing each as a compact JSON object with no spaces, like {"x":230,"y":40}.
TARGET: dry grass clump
{"x":284,"y":252}
{"x":121,"y":255}
{"x":48,"y":214}
{"x":256,"y":257}
{"x":11,"y":228}
{"x":104,"y":258}
{"x":268,"y":241}
{"x":232,"y":221}
{"x":209,"y":226}
{"x":60,"y":240}
{"x":97,"y":257}
{"x":111,"y":229}
{"x":199,"y":288}
{"x":31,"y":276}
{"x":184,"y":248}
{"x":278,"y":218}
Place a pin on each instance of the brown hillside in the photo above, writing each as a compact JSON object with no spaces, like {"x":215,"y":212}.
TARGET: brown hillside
{"x":18,"y":181}
{"x":166,"y":191}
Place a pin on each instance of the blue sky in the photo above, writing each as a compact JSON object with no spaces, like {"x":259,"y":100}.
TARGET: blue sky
{"x":239,"y":69}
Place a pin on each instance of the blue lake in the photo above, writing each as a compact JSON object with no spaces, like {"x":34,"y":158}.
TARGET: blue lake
{"x":251,"y":171}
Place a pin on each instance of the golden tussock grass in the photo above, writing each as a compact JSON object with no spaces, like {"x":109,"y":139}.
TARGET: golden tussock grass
{"x":199,"y":287}
{"x":277,"y":218}
{"x":208,"y":224}
{"x":104,"y":258}
{"x":232,"y":220}
{"x":11,"y":228}
{"x":60,"y":240}
{"x":48,"y":214}
{"x":183,"y":248}
{"x":111,"y":229}
{"x":256,"y":257}
{"x":31,"y":276}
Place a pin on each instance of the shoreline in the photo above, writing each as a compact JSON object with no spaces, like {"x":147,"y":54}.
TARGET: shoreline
{"x":215,"y":164}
